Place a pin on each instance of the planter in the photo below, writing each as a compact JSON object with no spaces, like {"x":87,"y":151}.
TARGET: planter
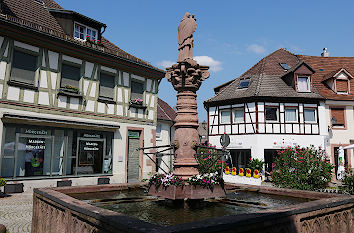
{"x":13,"y":188}
{"x":103,"y":181}
{"x":64,"y":183}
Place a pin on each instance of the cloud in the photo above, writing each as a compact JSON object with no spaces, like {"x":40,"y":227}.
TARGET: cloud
{"x":209,"y":61}
{"x":256,"y":48}
{"x":165,"y":63}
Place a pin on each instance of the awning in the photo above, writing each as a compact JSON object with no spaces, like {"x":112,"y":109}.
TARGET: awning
{"x":43,"y":121}
{"x":349,"y":147}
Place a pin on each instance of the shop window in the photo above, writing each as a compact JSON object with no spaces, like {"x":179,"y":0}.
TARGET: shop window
{"x":137,"y":90}
{"x":240,"y":158}
{"x":271,"y":114}
{"x":337,"y":117}
{"x":290,"y":115}
{"x":239,"y":115}
{"x":310,"y":115}
{"x":107,"y":86}
{"x":342,"y":86}
{"x":70,"y":77}
{"x":24,"y":66}
{"x":303,"y":84}
{"x":225,"y":116}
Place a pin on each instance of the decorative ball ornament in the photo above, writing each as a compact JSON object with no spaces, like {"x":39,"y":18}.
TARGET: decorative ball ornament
{"x":227,"y":170}
{"x":233,"y":171}
{"x":256,"y":174}
{"x":248,"y":172}
{"x":241,"y":172}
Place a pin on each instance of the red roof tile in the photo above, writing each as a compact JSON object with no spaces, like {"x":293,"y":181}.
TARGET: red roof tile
{"x":164,"y":111}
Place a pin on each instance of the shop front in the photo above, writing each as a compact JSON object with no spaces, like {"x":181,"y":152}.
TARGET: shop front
{"x":35,"y":152}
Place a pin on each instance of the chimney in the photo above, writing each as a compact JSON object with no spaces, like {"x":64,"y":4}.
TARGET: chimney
{"x":325,"y":53}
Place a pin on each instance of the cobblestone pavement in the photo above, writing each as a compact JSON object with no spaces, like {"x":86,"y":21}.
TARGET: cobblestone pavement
{"x":16,"y":212}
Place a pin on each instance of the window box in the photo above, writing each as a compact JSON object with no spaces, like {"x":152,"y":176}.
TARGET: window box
{"x":138,"y":103}
{"x":69,"y":92}
{"x":13,"y":188}
{"x":106,"y":100}
{"x":21,"y":84}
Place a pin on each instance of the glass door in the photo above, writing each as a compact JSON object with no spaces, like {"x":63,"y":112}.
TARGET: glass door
{"x":33,"y":155}
{"x":90,"y":154}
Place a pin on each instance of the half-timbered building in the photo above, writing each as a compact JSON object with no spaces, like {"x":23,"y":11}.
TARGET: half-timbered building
{"x":72,"y":104}
{"x":272,"y":105}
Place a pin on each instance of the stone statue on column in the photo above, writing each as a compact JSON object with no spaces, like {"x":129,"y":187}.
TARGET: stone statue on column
{"x":186,"y":77}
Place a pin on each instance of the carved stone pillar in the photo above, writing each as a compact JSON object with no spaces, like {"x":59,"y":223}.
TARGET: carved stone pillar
{"x":186,"y":78}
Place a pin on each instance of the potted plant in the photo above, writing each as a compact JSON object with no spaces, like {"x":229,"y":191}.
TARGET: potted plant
{"x":2,"y":183}
{"x":256,"y":164}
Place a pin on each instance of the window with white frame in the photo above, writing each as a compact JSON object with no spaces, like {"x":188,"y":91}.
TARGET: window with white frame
{"x":271,"y":113}
{"x":82,"y":32}
{"x":239,"y":115}
{"x":158,"y":131}
{"x":303,"y":84}
{"x":225,"y":116}
{"x":310,"y":115}
{"x":290,"y":115}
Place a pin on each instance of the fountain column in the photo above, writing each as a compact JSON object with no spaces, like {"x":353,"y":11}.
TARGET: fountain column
{"x":186,"y":78}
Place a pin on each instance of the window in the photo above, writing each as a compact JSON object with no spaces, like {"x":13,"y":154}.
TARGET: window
{"x":271,"y":113}
{"x":70,"y":76}
{"x":337,"y":117}
{"x":239,"y":115}
{"x":303,"y":84}
{"x":285,"y":66}
{"x":107,"y":85}
{"x":342,"y":85}
{"x":309,"y":115}
{"x":81,"y":32}
{"x":24,"y":66}
{"x":225,"y":116}
{"x":290,"y":115}
{"x":158,"y":131}
{"x":137,"y":90}
{"x":244,"y":83}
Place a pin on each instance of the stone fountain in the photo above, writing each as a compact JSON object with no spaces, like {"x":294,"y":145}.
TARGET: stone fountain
{"x":186,"y":78}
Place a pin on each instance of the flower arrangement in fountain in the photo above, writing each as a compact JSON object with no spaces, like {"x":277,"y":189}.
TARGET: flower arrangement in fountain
{"x":97,"y":42}
{"x":165,"y":180}
{"x":206,"y":180}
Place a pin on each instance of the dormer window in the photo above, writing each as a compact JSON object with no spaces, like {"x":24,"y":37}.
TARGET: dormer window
{"x":303,"y":84}
{"x":244,"y":83}
{"x":82,"y":32}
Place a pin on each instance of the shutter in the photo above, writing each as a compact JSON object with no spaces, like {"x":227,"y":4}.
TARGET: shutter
{"x":133,"y":160}
{"x":342,"y":85}
{"x":23,"y":67}
{"x":338,"y":114}
{"x":70,"y":76}
{"x":107,"y":85}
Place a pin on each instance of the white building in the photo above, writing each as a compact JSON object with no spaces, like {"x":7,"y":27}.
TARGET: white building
{"x":71,"y":107}
{"x":272,"y":105}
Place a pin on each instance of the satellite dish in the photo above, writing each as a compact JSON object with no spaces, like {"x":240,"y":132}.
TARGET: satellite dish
{"x":225,"y":140}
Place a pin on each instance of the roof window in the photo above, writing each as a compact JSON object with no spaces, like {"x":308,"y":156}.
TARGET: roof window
{"x":285,"y":66}
{"x":244,"y":83}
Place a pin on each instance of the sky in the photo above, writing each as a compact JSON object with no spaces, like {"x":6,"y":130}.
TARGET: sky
{"x":231,"y":36}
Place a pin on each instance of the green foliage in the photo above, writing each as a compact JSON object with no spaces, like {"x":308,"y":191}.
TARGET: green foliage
{"x":302,"y":168}
{"x":165,"y":180}
{"x":206,"y":180}
{"x":348,"y":183}
{"x":256,"y":164}
{"x":2,"y":182}
{"x":209,"y":161}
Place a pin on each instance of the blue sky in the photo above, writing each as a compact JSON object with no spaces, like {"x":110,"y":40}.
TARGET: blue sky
{"x":231,"y":35}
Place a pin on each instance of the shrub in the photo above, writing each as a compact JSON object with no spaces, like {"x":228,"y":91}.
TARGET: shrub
{"x":165,"y":180}
{"x":348,"y":183}
{"x":302,"y":168}
{"x":209,"y":161}
{"x":2,"y":182}
{"x":256,"y":164}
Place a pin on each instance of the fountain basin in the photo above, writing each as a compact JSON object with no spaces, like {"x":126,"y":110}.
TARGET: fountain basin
{"x":57,"y":210}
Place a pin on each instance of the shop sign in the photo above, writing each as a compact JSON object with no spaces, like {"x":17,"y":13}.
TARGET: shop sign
{"x":36,"y":132}
{"x":91,"y":146}
{"x":86,"y":135}
{"x":133,"y":134}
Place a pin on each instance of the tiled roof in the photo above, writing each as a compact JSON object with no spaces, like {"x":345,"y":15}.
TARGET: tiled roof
{"x":327,"y":66}
{"x":164,"y":111}
{"x":265,"y":80}
{"x":33,"y":14}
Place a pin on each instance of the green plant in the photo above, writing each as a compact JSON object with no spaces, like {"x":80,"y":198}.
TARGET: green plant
{"x":69,"y":87}
{"x":347,"y":186}
{"x":256,"y":164}
{"x":206,"y":180}
{"x":209,"y":161}
{"x":302,"y":168}
{"x":165,"y":180}
{"x":2,"y":182}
